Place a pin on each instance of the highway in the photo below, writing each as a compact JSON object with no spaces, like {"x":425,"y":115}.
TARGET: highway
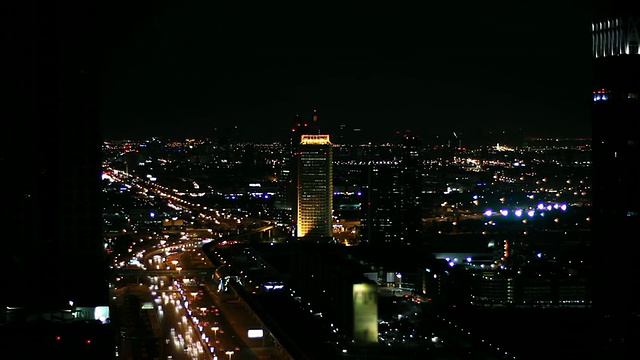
{"x":194,"y":320}
{"x":296,"y":333}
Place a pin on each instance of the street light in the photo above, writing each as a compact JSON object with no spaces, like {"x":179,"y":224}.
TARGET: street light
{"x":229,"y":352}
{"x":215,"y":332}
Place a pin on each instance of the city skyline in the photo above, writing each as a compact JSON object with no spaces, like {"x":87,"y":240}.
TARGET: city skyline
{"x":186,"y":69}
{"x":146,"y":71}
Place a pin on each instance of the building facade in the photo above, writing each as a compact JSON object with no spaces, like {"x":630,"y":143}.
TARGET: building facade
{"x":315,"y":187}
{"x":616,"y":196}
{"x":54,"y":256}
{"x":392,"y":196}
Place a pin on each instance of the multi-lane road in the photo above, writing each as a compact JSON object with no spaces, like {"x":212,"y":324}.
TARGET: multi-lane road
{"x":183,"y":315}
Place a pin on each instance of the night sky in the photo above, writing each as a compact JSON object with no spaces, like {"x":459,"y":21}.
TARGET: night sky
{"x":188,"y":69}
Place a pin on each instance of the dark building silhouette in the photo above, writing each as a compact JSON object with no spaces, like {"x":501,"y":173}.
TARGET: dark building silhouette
{"x":289,"y":170}
{"x":55,"y":265}
{"x":380,"y":200}
{"x":616,"y":196}
{"x":411,"y":189}
{"x":327,"y":274}
{"x":392,"y":192}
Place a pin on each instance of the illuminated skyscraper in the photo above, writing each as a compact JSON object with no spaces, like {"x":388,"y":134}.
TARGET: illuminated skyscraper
{"x":315,"y":187}
{"x":287,"y":201}
{"x":616,"y":191}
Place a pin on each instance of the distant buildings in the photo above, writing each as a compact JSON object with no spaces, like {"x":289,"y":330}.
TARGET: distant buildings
{"x":526,"y":255}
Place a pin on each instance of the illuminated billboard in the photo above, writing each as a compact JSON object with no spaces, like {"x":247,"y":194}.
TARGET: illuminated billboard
{"x":255,"y":333}
{"x":365,"y":313}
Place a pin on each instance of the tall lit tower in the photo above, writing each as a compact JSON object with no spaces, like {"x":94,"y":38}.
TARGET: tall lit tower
{"x":315,"y":187}
{"x":287,"y":201}
{"x":616,"y":180}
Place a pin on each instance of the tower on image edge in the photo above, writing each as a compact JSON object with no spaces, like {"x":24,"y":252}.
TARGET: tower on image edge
{"x":55,"y":298}
{"x":616,"y":192}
